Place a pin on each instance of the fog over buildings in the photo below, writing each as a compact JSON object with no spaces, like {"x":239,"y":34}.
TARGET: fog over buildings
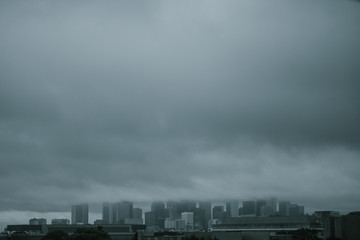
{"x":165,"y":100}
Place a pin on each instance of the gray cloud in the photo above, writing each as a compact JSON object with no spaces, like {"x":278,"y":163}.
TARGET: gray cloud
{"x":205,"y":100}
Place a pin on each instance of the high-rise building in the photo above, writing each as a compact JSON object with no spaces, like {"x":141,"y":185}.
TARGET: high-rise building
{"x":188,"y":218}
{"x":266,"y":211}
{"x":199,"y":219}
{"x":150,"y":221}
{"x":186,"y":206}
{"x":172,"y":210}
{"x":123,"y":210}
{"x":350,"y":226}
{"x":158,"y":208}
{"x":218,"y":212}
{"x":284,"y":208}
{"x":108,"y":213}
{"x":206,"y":206}
{"x":258,"y":205}
{"x":179,"y":225}
{"x":296,"y":210}
{"x":327,"y":220}
{"x":232,"y":209}
{"x":137,"y":213}
{"x":169,"y":224}
{"x":80,"y":214}
{"x":248,"y":208}
{"x":272,"y":202}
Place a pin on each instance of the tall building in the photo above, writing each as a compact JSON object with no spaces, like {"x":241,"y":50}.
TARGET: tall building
{"x":172,"y":210}
{"x":206,"y":206}
{"x":284,"y":208}
{"x":272,"y":202}
{"x":150,"y":221}
{"x":158,"y":208}
{"x":266,"y":211}
{"x":295,"y":210}
{"x":186,"y":206}
{"x":137,"y":213}
{"x":179,"y":225}
{"x":123,"y":210}
{"x":136,"y":217}
{"x":199,"y":219}
{"x":108,"y":213}
{"x":248,"y":208}
{"x":258,"y":205}
{"x":169,"y":224}
{"x":350,"y":226}
{"x":330,"y":221}
{"x":80,"y":214}
{"x":188,"y":218}
{"x":218,"y":212}
{"x":232,"y":209}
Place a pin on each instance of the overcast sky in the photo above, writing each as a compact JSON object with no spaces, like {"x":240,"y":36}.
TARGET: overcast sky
{"x":155,"y":100}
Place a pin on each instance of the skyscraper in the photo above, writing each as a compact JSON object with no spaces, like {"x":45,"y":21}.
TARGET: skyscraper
{"x":272,"y":202}
{"x":80,"y":214}
{"x":218,"y":212}
{"x":258,"y":205}
{"x":137,"y":213}
{"x":284,"y":208}
{"x":172,"y":209}
{"x":108,"y":213}
{"x":123,"y":210}
{"x":186,"y":206}
{"x":150,"y":221}
{"x":158,"y":208}
{"x":232,"y":209}
{"x":188,"y":218}
{"x":206,"y":206}
{"x":249,"y":208}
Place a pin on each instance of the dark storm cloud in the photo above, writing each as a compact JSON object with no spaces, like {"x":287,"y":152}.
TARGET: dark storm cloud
{"x":206,"y":100}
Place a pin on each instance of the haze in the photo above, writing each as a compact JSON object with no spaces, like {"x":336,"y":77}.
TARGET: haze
{"x":156,"y":100}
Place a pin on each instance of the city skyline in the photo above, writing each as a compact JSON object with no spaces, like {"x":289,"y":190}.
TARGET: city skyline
{"x":95,"y":212}
{"x":151,"y":100}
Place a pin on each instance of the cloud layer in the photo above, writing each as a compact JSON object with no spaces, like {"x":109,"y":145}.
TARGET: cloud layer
{"x":171,"y":100}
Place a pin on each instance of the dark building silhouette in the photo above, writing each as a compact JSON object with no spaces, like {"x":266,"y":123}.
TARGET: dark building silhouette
{"x":232,"y":209}
{"x":259,"y":204}
{"x":172,"y":210}
{"x":158,"y":208}
{"x":218,"y":212}
{"x":137,"y":213}
{"x":186,"y":206}
{"x":206,"y":206}
{"x":284,"y":208}
{"x":199,"y":219}
{"x":107,"y":213}
{"x":80,"y":214}
{"x":248,"y":208}
{"x":296,"y":210}
{"x":151,"y":221}
{"x":123,"y":210}
{"x":350,"y":225}
{"x":61,"y":221}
